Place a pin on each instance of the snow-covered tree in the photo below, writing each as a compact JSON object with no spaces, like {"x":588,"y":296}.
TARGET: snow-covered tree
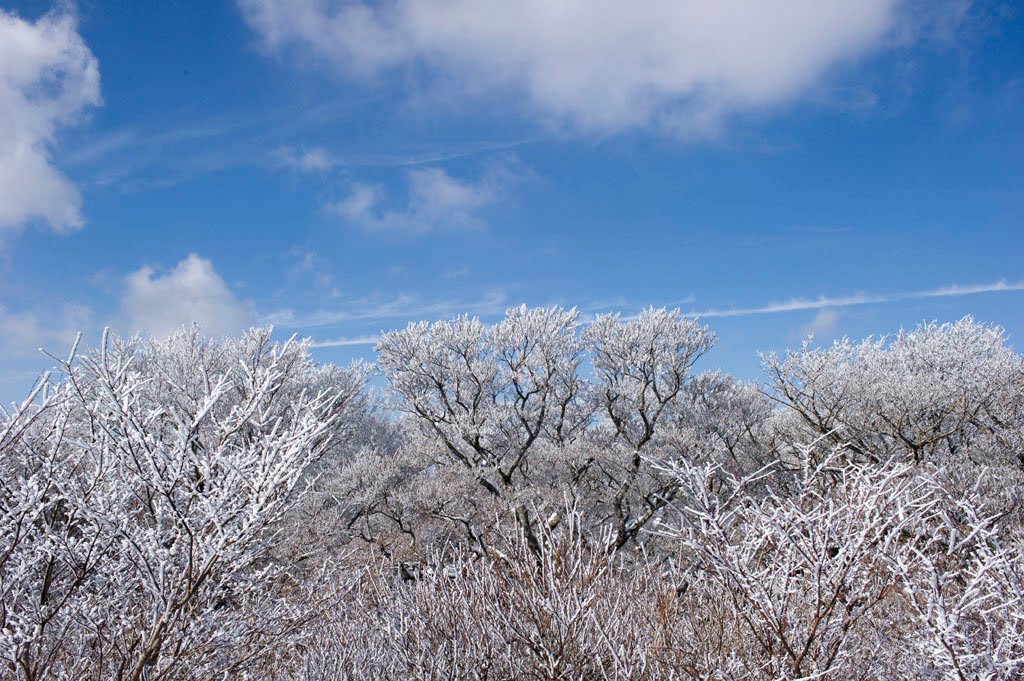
{"x":488,"y":393}
{"x":641,"y":367}
{"x":940,"y":391}
{"x":540,"y":496}
{"x":141,"y":496}
{"x":506,"y":408}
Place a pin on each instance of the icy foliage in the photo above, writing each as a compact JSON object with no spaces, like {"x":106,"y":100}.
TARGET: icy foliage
{"x":937,"y":392}
{"x":138,"y":498}
{"x":536,"y":498}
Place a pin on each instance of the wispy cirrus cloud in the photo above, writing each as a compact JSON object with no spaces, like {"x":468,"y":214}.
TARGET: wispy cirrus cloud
{"x":311,"y":160}
{"x":823,"y":302}
{"x":401,"y":307}
{"x":24,"y":332}
{"x":495,"y":302}
{"x":346,"y":342}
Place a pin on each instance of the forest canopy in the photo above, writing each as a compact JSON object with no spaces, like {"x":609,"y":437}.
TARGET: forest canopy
{"x":544,"y":497}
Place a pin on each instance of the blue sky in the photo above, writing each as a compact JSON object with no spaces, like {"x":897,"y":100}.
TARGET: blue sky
{"x":341,"y":168}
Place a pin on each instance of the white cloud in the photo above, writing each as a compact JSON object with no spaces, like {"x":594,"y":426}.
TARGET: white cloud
{"x":360,"y":205}
{"x":192,"y":292}
{"x":824,"y":302}
{"x":48,"y":77}
{"x":598,"y":65}
{"x":435,"y":201}
{"x":824,"y":323}
{"x":315,"y":160}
